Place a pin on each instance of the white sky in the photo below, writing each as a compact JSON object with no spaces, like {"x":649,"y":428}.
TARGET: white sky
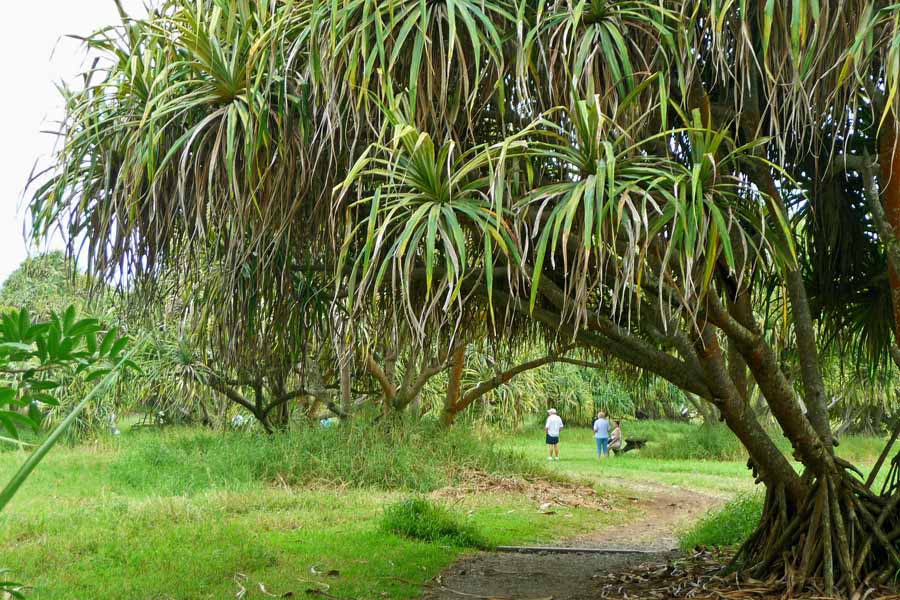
{"x":33,"y":56}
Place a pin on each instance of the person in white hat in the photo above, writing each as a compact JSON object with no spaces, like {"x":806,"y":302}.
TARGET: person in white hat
{"x":552,"y":428}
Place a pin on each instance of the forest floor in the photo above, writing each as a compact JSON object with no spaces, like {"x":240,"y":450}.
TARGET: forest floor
{"x":664,"y":510}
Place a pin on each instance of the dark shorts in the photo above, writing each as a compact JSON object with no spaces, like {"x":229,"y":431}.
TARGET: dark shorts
{"x":552,"y":440}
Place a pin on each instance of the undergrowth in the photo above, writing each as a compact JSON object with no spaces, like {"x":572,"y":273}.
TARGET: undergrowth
{"x":673,"y":440}
{"x":696,"y":442}
{"x":403,"y":456}
{"x":421,"y":519}
{"x":728,"y":526}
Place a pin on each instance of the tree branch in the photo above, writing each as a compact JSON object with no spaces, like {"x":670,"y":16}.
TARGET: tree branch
{"x":229,"y":392}
{"x":286,"y":397}
{"x":581,"y":363}
{"x":387,"y":386}
{"x":621,"y":344}
{"x":499,"y":379}
{"x":430,"y":371}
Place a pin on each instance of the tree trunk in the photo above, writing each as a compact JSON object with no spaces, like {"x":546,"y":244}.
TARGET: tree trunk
{"x":708,"y":411}
{"x":489,"y":385}
{"x":889,"y":157}
{"x":205,"y":417}
{"x":765,"y":457}
{"x":255,"y":408}
{"x":388,"y":388}
{"x":826,"y":524}
{"x":454,"y":387}
{"x":281,"y":415}
{"x":346,"y":391}
{"x":415,"y":407}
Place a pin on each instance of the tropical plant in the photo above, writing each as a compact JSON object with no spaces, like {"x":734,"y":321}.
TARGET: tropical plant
{"x":35,"y":358}
{"x":670,"y":184}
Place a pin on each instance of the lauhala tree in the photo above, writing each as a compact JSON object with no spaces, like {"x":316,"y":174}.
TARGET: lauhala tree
{"x":688,"y":224}
{"x":645,"y":179}
{"x":658,"y":244}
{"x":272,"y":367}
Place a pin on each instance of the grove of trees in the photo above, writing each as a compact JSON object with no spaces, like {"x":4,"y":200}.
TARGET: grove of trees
{"x":368,"y":191}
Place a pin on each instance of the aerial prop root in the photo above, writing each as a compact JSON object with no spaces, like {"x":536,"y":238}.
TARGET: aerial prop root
{"x":841,"y":537}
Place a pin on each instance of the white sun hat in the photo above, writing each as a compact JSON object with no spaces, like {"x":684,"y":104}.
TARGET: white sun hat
{"x":552,"y":411}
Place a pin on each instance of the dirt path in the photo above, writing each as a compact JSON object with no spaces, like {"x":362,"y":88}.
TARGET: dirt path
{"x":551,"y":576}
{"x":665,"y":509}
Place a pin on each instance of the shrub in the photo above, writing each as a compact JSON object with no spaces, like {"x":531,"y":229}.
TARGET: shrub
{"x":420,"y":519}
{"x":730,"y":525}
{"x":693,"y":442}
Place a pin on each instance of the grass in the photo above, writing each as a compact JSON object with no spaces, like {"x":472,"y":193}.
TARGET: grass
{"x":728,"y":526}
{"x":421,"y":519}
{"x":682,"y":454}
{"x":716,"y":466}
{"x":418,"y":458}
{"x":684,"y":441}
{"x":579,"y":458}
{"x":188,"y":514}
{"x":185,"y":513}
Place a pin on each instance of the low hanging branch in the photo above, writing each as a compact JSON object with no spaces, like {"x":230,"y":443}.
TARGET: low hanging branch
{"x":455,"y":404}
{"x":397,"y":397}
{"x":259,"y":407}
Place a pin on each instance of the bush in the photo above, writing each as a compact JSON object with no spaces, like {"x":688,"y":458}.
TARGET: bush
{"x":730,"y":525}
{"x":404,"y":456}
{"x":419,"y":519}
{"x":693,"y":442}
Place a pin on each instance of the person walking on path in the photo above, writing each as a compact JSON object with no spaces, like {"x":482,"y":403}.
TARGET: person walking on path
{"x":601,"y":434}
{"x":552,"y":428}
{"x":615,"y":441}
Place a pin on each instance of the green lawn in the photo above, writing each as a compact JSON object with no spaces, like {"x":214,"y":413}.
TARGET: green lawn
{"x":578,"y":456}
{"x":81,"y":529}
{"x":661,"y":461}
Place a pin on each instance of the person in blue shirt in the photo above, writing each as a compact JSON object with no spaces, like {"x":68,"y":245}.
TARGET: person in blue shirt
{"x":601,"y":434}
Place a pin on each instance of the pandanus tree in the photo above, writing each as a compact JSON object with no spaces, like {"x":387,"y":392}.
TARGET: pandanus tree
{"x":673,"y":184}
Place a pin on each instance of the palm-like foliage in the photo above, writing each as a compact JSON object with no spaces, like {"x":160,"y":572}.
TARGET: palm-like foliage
{"x":189,"y":91}
{"x":212,"y":132}
{"x":592,"y":47}
{"x":792,"y":67}
{"x":596,"y":188}
{"x":419,"y":200}
{"x":676,"y":214}
{"x":447,"y":55}
{"x":191,"y":114}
